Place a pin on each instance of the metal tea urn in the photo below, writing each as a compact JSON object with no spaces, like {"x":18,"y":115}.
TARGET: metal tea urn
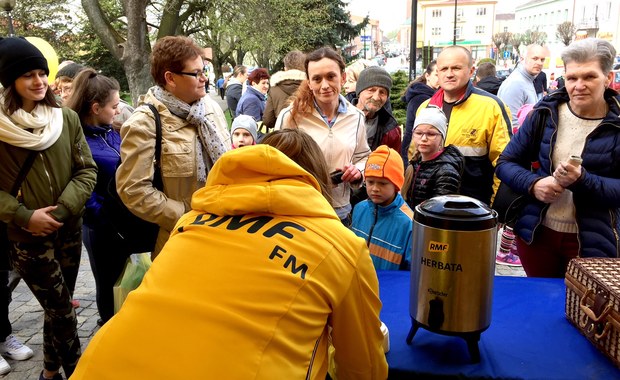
{"x":452,"y":268}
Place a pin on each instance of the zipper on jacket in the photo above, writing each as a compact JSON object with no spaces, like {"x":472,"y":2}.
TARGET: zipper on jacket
{"x":613,"y":228}
{"x":79,"y":149}
{"x":544,"y":209}
{"x":316,"y":347}
{"x":49,"y":178}
{"x":372,"y":227}
{"x":109,"y":146}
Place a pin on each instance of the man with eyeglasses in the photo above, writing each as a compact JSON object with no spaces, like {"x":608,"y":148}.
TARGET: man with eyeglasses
{"x":194,"y":136}
{"x":478,"y":122}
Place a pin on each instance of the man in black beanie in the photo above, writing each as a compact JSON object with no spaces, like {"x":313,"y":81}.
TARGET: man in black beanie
{"x":64,"y":80}
{"x":373,"y":92}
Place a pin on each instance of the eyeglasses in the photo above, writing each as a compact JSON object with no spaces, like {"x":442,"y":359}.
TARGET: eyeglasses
{"x":200,"y":73}
{"x":429,"y":135}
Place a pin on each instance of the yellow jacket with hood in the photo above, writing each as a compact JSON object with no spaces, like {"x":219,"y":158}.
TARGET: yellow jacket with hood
{"x":250,"y":284}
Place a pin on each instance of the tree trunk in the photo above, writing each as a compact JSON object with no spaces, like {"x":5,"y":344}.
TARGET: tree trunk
{"x":133,"y":52}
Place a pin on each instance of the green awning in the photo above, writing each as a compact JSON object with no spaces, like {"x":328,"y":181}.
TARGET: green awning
{"x":463,"y":42}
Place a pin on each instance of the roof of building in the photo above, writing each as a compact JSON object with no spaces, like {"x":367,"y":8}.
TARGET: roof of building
{"x":505,"y":16}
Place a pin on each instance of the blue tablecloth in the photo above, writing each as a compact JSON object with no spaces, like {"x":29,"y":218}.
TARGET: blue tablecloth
{"x":529,"y":337}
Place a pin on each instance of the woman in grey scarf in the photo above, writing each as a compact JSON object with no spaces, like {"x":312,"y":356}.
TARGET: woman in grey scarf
{"x":194,"y":136}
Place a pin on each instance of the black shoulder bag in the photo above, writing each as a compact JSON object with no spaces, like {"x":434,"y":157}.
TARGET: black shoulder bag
{"x":507,"y":202}
{"x":4,"y":237}
{"x":137,"y":234}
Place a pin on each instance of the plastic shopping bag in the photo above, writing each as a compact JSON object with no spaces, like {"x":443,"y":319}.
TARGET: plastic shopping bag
{"x":136,"y":266}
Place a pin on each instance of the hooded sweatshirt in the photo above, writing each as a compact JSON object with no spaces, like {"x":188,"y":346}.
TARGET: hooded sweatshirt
{"x":283,"y":87}
{"x":250,"y":280}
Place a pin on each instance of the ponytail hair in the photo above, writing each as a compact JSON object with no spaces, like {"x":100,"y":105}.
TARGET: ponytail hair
{"x":90,"y":87}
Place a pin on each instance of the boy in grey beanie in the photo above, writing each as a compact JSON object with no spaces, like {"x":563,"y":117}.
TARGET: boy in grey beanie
{"x":243,"y":131}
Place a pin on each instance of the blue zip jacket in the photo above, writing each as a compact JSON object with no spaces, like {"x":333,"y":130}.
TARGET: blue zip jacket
{"x":105,"y":145}
{"x":596,"y":193}
{"x":387,"y":231}
{"x":252,"y":103}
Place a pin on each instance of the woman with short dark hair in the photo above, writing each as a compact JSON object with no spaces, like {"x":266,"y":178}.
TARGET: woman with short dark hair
{"x":252,"y":102}
{"x":194,"y":136}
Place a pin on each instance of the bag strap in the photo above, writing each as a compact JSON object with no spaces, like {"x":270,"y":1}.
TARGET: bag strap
{"x":23,"y":172}
{"x":157,"y":179}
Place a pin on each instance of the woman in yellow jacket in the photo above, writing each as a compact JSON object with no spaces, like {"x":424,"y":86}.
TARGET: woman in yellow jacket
{"x":253,"y":281}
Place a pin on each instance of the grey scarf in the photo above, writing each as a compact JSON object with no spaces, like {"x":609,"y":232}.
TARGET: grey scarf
{"x":209,"y":146}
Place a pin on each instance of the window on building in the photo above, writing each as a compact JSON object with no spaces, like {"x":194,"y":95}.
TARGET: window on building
{"x":436,"y":12}
{"x":458,"y":32}
{"x":481,"y":11}
{"x":505,"y":29}
{"x":480,"y":29}
{"x":436,"y":31}
{"x":460,"y":12}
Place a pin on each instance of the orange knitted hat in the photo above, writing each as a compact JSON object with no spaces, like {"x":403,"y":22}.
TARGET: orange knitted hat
{"x":385,"y":162}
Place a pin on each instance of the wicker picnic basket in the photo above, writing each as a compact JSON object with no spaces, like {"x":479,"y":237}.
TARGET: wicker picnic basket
{"x":593,"y":302}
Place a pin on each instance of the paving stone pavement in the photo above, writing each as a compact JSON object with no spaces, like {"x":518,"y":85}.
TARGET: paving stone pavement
{"x":27,"y":320}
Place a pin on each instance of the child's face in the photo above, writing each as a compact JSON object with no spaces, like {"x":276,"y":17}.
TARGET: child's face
{"x":380,"y":190}
{"x":427,"y":139}
{"x":241,"y":137}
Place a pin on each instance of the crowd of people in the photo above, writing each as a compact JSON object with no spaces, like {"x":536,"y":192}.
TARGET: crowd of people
{"x":273,"y":227}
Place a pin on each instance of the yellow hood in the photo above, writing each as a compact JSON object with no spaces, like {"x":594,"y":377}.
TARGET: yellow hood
{"x":260,"y":179}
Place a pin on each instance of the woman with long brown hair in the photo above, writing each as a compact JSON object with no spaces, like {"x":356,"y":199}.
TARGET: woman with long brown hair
{"x":337,"y":126}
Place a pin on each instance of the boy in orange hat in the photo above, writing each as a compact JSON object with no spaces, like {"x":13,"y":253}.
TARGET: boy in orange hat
{"x":384,"y":220}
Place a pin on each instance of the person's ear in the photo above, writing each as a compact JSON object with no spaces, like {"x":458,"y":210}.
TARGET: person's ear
{"x":344,"y":78}
{"x":95,"y":108}
{"x":169,"y":77}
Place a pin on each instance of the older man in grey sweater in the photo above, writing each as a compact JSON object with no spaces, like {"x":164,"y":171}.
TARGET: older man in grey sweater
{"x":518,"y":89}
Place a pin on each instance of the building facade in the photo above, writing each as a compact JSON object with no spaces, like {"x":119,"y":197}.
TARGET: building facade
{"x":469,"y":23}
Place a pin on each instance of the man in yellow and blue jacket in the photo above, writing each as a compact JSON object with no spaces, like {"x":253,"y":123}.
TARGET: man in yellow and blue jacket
{"x":478,"y":122}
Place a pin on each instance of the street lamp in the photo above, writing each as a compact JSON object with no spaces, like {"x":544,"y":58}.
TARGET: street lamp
{"x":455,"y":11}
{"x":8,"y":6}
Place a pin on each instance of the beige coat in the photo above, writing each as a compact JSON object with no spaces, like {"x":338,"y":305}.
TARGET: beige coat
{"x":134,"y":176}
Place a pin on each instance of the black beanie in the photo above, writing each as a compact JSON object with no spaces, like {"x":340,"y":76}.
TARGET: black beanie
{"x":373,"y":76}
{"x":70,"y":71}
{"x":17,"y":57}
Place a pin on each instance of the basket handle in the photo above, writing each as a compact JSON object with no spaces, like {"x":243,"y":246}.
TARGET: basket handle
{"x":590,"y":319}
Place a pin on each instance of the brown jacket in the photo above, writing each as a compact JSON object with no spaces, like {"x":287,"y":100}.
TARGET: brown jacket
{"x":283,"y":86}
{"x":134,"y":176}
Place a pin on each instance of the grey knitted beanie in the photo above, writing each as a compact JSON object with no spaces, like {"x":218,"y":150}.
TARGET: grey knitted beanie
{"x":245,"y":122}
{"x":373,"y":76}
{"x":432,"y":116}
